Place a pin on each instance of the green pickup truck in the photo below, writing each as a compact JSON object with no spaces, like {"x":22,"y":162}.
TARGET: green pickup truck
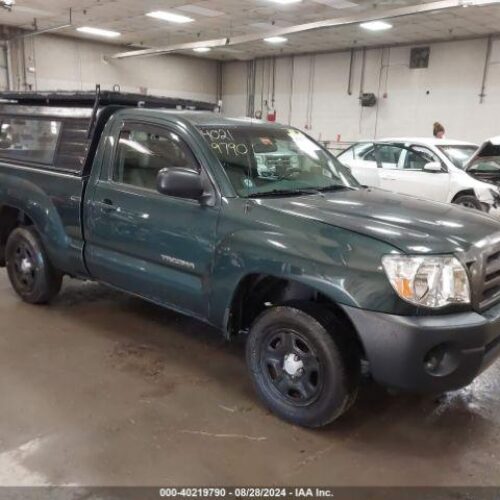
{"x":257,"y":230}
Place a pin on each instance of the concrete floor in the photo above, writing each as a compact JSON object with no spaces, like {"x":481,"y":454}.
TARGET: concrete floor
{"x":104,"y":389}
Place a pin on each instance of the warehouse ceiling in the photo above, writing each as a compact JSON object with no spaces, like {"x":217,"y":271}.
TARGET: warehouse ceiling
{"x":215,"y":19}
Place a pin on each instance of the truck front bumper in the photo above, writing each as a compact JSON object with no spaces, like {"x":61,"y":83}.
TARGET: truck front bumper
{"x":431,"y":354}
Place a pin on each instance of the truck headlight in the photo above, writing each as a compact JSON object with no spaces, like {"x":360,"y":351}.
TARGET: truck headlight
{"x":429,"y":281}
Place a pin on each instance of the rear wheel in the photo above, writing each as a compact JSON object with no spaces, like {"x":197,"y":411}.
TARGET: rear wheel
{"x":302,"y":364}
{"x":30,"y":272}
{"x":469,"y":201}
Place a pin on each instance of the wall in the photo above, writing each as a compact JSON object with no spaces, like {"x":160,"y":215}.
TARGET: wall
{"x":55,"y":62}
{"x":311,"y":92}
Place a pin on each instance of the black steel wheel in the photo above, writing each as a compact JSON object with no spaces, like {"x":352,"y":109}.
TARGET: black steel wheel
{"x":30,"y":272}
{"x":303,"y":363}
{"x":291,"y":366}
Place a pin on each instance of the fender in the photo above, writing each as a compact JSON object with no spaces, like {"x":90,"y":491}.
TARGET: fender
{"x":484,"y":193}
{"x":28,"y":196}
{"x":337,"y":267}
{"x":463,"y":182}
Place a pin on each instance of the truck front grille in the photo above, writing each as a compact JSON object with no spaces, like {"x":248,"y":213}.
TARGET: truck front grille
{"x":490,"y":289}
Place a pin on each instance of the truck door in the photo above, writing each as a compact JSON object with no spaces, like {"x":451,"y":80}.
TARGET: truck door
{"x":144,"y":242}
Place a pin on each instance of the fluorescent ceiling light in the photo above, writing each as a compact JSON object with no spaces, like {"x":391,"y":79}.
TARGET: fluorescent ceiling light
{"x":376,"y":26}
{"x":276,"y":39}
{"x":98,"y":32}
{"x":201,"y":50}
{"x":169,"y":16}
{"x":338,"y":4}
{"x":467,"y":3}
{"x":201,"y":11}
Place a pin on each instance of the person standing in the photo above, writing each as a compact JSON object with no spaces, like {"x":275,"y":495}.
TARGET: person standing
{"x":439,"y":131}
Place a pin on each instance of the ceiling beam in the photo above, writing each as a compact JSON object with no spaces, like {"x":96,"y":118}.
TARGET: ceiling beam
{"x":220,"y":42}
{"x":27,"y":34}
{"x":50,"y":29}
{"x":374,"y":15}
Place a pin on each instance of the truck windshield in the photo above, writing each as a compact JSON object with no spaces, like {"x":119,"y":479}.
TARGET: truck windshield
{"x":269,"y":161}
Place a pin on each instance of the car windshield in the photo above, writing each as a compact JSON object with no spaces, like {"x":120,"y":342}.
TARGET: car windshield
{"x":274,"y":161}
{"x":459,"y":155}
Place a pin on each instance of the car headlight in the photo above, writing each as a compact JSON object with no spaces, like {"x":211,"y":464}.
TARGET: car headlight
{"x":429,"y":281}
{"x":495,"y":194}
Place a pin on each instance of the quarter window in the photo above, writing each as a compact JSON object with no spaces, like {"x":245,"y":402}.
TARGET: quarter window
{"x":142,"y":154}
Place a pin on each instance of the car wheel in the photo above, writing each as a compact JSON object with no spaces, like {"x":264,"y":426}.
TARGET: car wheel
{"x":469,"y":201}
{"x":30,"y":272}
{"x":303,"y":364}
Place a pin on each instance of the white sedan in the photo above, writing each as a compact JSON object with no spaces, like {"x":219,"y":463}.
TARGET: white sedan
{"x":434,"y":169}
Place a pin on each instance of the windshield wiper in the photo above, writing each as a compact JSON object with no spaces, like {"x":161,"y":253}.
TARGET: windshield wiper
{"x":334,"y":188}
{"x":284,"y":192}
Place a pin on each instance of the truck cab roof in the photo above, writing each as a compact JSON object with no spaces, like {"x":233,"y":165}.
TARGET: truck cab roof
{"x":210,"y":119}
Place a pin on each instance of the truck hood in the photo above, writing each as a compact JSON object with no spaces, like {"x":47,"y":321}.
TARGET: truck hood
{"x":412,"y":225}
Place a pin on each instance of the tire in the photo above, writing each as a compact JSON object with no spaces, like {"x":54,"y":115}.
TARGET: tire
{"x":469,"y":201}
{"x":30,"y":272}
{"x":303,"y":364}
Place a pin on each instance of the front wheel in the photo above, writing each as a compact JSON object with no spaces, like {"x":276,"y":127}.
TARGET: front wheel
{"x":30,"y":272}
{"x":302,"y":364}
{"x":469,"y":201}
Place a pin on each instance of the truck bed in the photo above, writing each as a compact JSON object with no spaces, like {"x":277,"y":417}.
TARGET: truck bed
{"x":46,"y":190}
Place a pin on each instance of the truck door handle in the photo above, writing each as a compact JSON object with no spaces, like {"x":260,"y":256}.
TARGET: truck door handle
{"x":106,"y":205}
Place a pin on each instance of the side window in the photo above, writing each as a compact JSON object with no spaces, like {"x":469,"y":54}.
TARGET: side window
{"x":389,"y":155}
{"x":142,"y":154}
{"x":417,"y":157}
{"x":360,"y":150}
{"x":369,"y":155}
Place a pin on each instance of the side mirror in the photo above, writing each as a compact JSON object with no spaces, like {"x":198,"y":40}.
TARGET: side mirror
{"x":433,"y":166}
{"x":180,"y":183}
